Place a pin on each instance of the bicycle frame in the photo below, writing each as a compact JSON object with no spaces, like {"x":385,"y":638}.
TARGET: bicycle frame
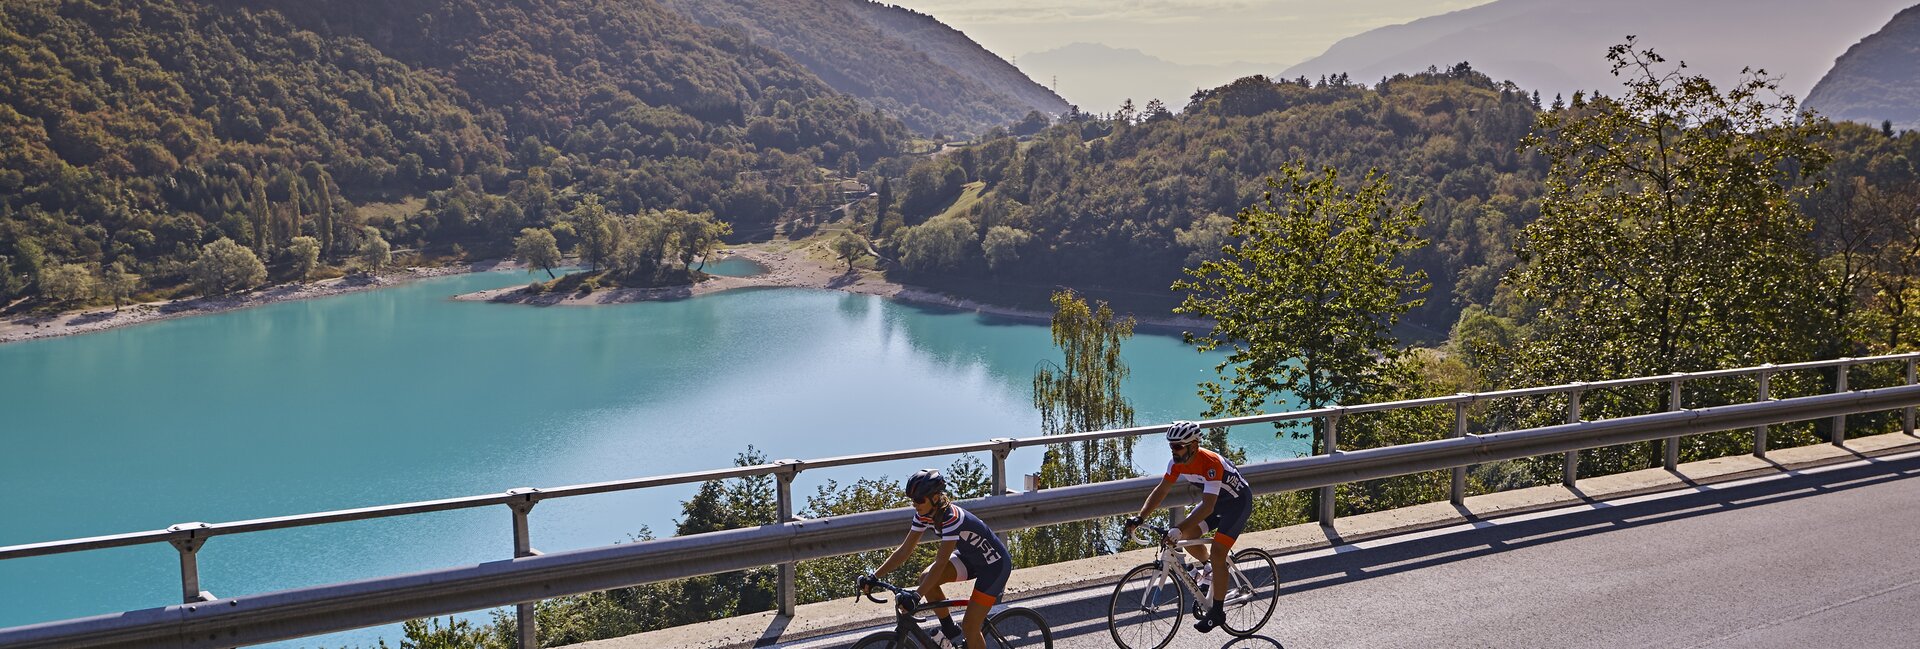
{"x":1170,"y":556}
{"x":905,"y":622}
{"x":907,"y":606}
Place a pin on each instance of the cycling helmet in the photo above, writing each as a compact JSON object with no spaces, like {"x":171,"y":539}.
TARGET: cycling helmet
{"x":924,"y":483}
{"x":1182,"y":432}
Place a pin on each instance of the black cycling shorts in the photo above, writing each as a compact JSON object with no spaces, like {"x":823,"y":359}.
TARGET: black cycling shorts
{"x":1228,"y":520}
{"x":989,"y":581}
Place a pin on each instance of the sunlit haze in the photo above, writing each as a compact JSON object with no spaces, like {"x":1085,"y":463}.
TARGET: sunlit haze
{"x":1275,"y":33}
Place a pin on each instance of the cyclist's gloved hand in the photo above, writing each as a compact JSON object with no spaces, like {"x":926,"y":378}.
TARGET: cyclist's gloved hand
{"x":1134,"y":522}
{"x":866,"y":582}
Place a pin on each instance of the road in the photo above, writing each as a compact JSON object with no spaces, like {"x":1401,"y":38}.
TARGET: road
{"x":1821,"y":558}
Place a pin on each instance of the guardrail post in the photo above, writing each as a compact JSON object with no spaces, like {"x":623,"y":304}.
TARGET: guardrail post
{"x":1839,"y":433}
{"x":1570,"y":467}
{"x":784,"y":482}
{"x":1760,"y":431}
{"x":1458,"y":494}
{"x":189,"y":548}
{"x":1000,"y":465}
{"x":524,"y":617}
{"x":1672,"y":460}
{"x":1332,"y":428}
{"x":1907,"y":421}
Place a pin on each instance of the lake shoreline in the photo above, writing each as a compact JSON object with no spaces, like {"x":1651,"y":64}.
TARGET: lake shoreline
{"x":785,"y":268}
{"x":796,"y":269}
{"x":36,"y":327}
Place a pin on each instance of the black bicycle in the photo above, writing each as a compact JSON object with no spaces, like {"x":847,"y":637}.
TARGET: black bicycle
{"x":1145,"y":610}
{"x":1011,"y":628}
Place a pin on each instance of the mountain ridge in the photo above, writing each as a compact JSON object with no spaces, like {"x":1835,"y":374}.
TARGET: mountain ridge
{"x":1876,"y":79}
{"x":920,"y":70}
{"x":1556,"y":46}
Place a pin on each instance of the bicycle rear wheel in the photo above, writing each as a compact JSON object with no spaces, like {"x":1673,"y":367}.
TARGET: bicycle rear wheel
{"x":1145,"y":610}
{"x":879,"y":640}
{"x":1018,"y":628}
{"x":1252,"y":593}
{"x":890,"y":640}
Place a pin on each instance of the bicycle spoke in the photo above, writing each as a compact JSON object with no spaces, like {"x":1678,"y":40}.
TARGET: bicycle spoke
{"x":1253,"y":572}
{"x":1019,"y":628}
{"x":1145,"y":610}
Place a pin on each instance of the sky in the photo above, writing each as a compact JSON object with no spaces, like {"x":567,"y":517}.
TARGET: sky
{"x":1206,"y":32}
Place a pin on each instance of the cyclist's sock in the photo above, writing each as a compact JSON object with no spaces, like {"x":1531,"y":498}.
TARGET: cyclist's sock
{"x":1215,"y":617}
{"x":948,"y":628}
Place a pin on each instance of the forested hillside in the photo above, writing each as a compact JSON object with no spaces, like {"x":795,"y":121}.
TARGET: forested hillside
{"x":1876,"y":80}
{"x":133,"y":133}
{"x":930,"y":75}
{"x":1127,"y":202}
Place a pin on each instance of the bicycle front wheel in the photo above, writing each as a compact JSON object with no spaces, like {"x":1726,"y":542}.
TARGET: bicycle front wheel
{"x":1018,"y":628}
{"x":1145,"y":610}
{"x":1253,"y":593}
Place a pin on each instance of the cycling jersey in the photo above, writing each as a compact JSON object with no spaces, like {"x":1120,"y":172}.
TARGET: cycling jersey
{"x":973,"y":541}
{"x":1212,"y":473}
{"x":978,"y":554}
{"x":1216,"y":475}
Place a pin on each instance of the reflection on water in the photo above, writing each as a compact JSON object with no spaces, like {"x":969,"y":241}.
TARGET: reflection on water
{"x":734,"y":267}
{"x":401,"y":394}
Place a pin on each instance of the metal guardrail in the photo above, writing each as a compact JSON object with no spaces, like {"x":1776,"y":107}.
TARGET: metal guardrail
{"x":308,"y":611}
{"x":281,"y":614}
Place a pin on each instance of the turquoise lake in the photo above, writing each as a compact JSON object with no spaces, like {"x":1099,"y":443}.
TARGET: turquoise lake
{"x":401,"y":394}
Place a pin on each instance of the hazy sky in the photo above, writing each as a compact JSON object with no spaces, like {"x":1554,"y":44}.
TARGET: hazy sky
{"x":1275,"y":32}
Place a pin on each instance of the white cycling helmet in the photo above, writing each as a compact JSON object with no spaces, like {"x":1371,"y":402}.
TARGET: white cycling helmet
{"x":1182,"y":432}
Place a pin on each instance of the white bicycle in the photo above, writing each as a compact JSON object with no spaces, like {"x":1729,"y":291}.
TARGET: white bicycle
{"x":1149,"y":602}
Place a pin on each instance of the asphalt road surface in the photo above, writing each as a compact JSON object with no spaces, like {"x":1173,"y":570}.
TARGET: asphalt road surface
{"x":1822,"y":558}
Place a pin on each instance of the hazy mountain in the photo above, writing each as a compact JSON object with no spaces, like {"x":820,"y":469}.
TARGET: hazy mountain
{"x":928,"y":74}
{"x":1097,"y":77}
{"x":957,"y":51}
{"x":1877,"y":79}
{"x":1557,"y":46}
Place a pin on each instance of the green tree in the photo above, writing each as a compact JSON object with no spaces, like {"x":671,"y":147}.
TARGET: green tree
{"x":375,"y":252}
{"x":118,"y":284}
{"x":598,"y":232}
{"x":1306,"y":299}
{"x":304,"y":251}
{"x":1002,"y":246}
{"x":937,"y":245}
{"x":849,"y":247}
{"x":536,"y":248}
{"x":1667,"y":240}
{"x":694,"y":235}
{"x":457,"y":634}
{"x":1204,"y":239}
{"x":67,"y":283}
{"x":1079,"y":395}
{"x":882,"y":206}
{"x":10,"y":283}
{"x":724,"y":505}
{"x":225,"y":266}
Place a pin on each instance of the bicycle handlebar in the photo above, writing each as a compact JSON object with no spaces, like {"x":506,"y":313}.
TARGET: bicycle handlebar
{"x":865,"y":580}
{"x":1159,"y":534}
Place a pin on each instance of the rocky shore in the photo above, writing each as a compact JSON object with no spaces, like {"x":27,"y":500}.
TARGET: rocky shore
{"x":78,"y":322}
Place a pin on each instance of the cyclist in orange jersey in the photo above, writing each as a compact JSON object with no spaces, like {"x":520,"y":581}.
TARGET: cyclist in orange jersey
{"x":1225,"y":503}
